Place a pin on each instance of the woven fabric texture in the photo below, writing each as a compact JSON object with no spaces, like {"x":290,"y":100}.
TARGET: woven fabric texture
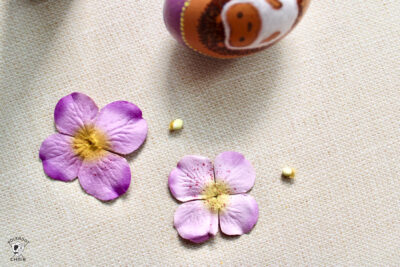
{"x":325,"y":100}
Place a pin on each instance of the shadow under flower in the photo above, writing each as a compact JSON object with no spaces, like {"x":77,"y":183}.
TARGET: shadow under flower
{"x":194,"y":246}
{"x":230,"y":237}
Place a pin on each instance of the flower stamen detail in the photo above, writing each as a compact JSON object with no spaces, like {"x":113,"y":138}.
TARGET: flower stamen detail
{"x":89,"y":143}
{"x":216,"y":196}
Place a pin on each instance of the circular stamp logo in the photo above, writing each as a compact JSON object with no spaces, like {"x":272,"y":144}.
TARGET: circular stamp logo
{"x":18,"y":245}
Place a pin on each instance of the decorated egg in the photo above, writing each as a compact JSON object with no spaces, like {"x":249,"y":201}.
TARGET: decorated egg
{"x":231,"y":28}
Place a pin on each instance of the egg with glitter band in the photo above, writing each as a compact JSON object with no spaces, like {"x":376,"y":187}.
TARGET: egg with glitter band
{"x":231,"y":28}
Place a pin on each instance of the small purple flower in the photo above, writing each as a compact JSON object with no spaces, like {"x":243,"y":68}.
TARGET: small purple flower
{"x":89,"y":144}
{"x":213,"y":195}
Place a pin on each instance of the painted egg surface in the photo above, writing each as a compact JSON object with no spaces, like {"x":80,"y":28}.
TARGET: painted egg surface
{"x":231,"y":28}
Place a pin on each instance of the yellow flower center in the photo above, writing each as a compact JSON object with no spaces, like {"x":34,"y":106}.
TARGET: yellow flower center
{"x":216,"y":196}
{"x":89,"y":143}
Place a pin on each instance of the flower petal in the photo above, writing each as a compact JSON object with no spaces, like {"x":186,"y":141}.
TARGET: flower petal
{"x":106,"y":178}
{"x":232,"y":168}
{"x":59,"y":160}
{"x":239,"y":216}
{"x":123,"y":123}
{"x":124,"y":126}
{"x":195,"y":222}
{"x":74,"y":111}
{"x":187,"y":181}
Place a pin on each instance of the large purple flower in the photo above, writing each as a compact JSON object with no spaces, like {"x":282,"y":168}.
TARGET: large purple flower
{"x":213,"y":194}
{"x":89,"y":144}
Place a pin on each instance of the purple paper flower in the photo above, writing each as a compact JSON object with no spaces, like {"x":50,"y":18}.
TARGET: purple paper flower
{"x":213,"y":194}
{"x":89,"y":143}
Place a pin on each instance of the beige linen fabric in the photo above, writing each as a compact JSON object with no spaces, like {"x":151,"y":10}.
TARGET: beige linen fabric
{"x":325,"y":100}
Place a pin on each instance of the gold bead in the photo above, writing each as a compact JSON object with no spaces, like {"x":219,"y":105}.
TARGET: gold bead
{"x":288,"y":172}
{"x":176,"y":125}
